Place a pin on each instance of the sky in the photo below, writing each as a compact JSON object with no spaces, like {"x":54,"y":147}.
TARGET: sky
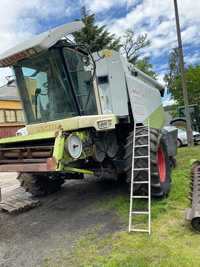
{"x":22,"y":19}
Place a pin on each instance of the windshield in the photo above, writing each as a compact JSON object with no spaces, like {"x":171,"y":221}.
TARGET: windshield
{"x":46,"y":88}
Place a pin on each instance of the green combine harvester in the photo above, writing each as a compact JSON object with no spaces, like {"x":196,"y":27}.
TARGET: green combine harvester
{"x":80,"y":111}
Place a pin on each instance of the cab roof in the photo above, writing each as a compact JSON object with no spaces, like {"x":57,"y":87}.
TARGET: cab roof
{"x":38,"y":43}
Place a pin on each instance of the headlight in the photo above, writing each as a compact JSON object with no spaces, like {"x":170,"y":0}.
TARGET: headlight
{"x":104,"y":124}
{"x":74,"y":146}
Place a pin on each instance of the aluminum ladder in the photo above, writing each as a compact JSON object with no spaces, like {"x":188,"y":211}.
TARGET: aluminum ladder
{"x":147,"y":211}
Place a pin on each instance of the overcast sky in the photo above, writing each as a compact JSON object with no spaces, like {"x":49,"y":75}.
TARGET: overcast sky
{"x":21,"y":19}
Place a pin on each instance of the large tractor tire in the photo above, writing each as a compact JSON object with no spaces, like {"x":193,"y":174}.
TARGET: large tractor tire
{"x":160,"y":165}
{"x":40,"y":184}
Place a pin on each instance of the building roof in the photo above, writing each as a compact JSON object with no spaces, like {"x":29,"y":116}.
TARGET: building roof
{"x":9,"y":91}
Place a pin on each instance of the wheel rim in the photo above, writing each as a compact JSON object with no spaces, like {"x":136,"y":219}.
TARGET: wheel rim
{"x":161,"y":164}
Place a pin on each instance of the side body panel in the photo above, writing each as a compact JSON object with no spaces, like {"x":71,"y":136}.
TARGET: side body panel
{"x":112,"y":85}
{"x":145,"y":102}
{"x":120,"y":82}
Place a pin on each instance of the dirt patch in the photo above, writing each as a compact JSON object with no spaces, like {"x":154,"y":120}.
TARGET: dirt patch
{"x":26,"y":239}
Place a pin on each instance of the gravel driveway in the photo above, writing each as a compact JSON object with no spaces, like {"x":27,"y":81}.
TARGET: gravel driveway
{"x":27,"y":238}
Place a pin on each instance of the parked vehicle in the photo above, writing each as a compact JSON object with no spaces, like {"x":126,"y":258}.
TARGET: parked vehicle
{"x":182,"y":137}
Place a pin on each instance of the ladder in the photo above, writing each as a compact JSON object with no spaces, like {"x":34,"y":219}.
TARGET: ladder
{"x":147,"y":211}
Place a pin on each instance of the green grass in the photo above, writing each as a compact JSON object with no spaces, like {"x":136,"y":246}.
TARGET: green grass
{"x":172,"y":243}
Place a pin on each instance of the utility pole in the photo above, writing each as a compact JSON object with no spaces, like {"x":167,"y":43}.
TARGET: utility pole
{"x":182,"y":69}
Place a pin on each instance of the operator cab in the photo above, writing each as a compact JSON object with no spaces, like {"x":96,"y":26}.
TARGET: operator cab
{"x":56,"y":84}
{"x":56,"y":80}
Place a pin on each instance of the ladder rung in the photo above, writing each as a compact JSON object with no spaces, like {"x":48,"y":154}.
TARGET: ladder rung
{"x":141,"y":146}
{"x":140,"y":212}
{"x":138,"y":127}
{"x":141,"y":157}
{"x":139,"y":230}
{"x":140,"y":197}
{"x":142,"y":135}
{"x":141,"y":169}
{"x":140,"y":182}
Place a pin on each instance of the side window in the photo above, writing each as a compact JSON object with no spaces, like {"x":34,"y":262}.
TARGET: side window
{"x":37,"y":84}
{"x":20,"y":116}
{"x":81,"y":77}
{"x":103,"y":79}
{"x":2,"y":116}
{"x":10,"y":116}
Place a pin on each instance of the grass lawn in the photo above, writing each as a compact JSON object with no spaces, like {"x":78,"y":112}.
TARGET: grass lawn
{"x":172,"y":243}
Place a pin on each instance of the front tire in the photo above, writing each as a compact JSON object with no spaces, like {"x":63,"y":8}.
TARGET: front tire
{"x":160,"y":165}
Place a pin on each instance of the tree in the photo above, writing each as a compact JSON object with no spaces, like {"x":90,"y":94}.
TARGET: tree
{"x":173,"y":80}
{"x":173,"y":67}
{"x":98,"y":38}
{"x":145,"y":66}
{"x":132,"y":47}
{"x":94,"y":36}
{"x":192,"y":75}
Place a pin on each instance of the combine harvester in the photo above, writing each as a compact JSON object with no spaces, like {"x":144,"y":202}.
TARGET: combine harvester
{"x":86,"y":114}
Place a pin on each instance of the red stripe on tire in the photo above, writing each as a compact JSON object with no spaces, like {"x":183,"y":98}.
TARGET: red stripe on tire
{"x":161,"y":162}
